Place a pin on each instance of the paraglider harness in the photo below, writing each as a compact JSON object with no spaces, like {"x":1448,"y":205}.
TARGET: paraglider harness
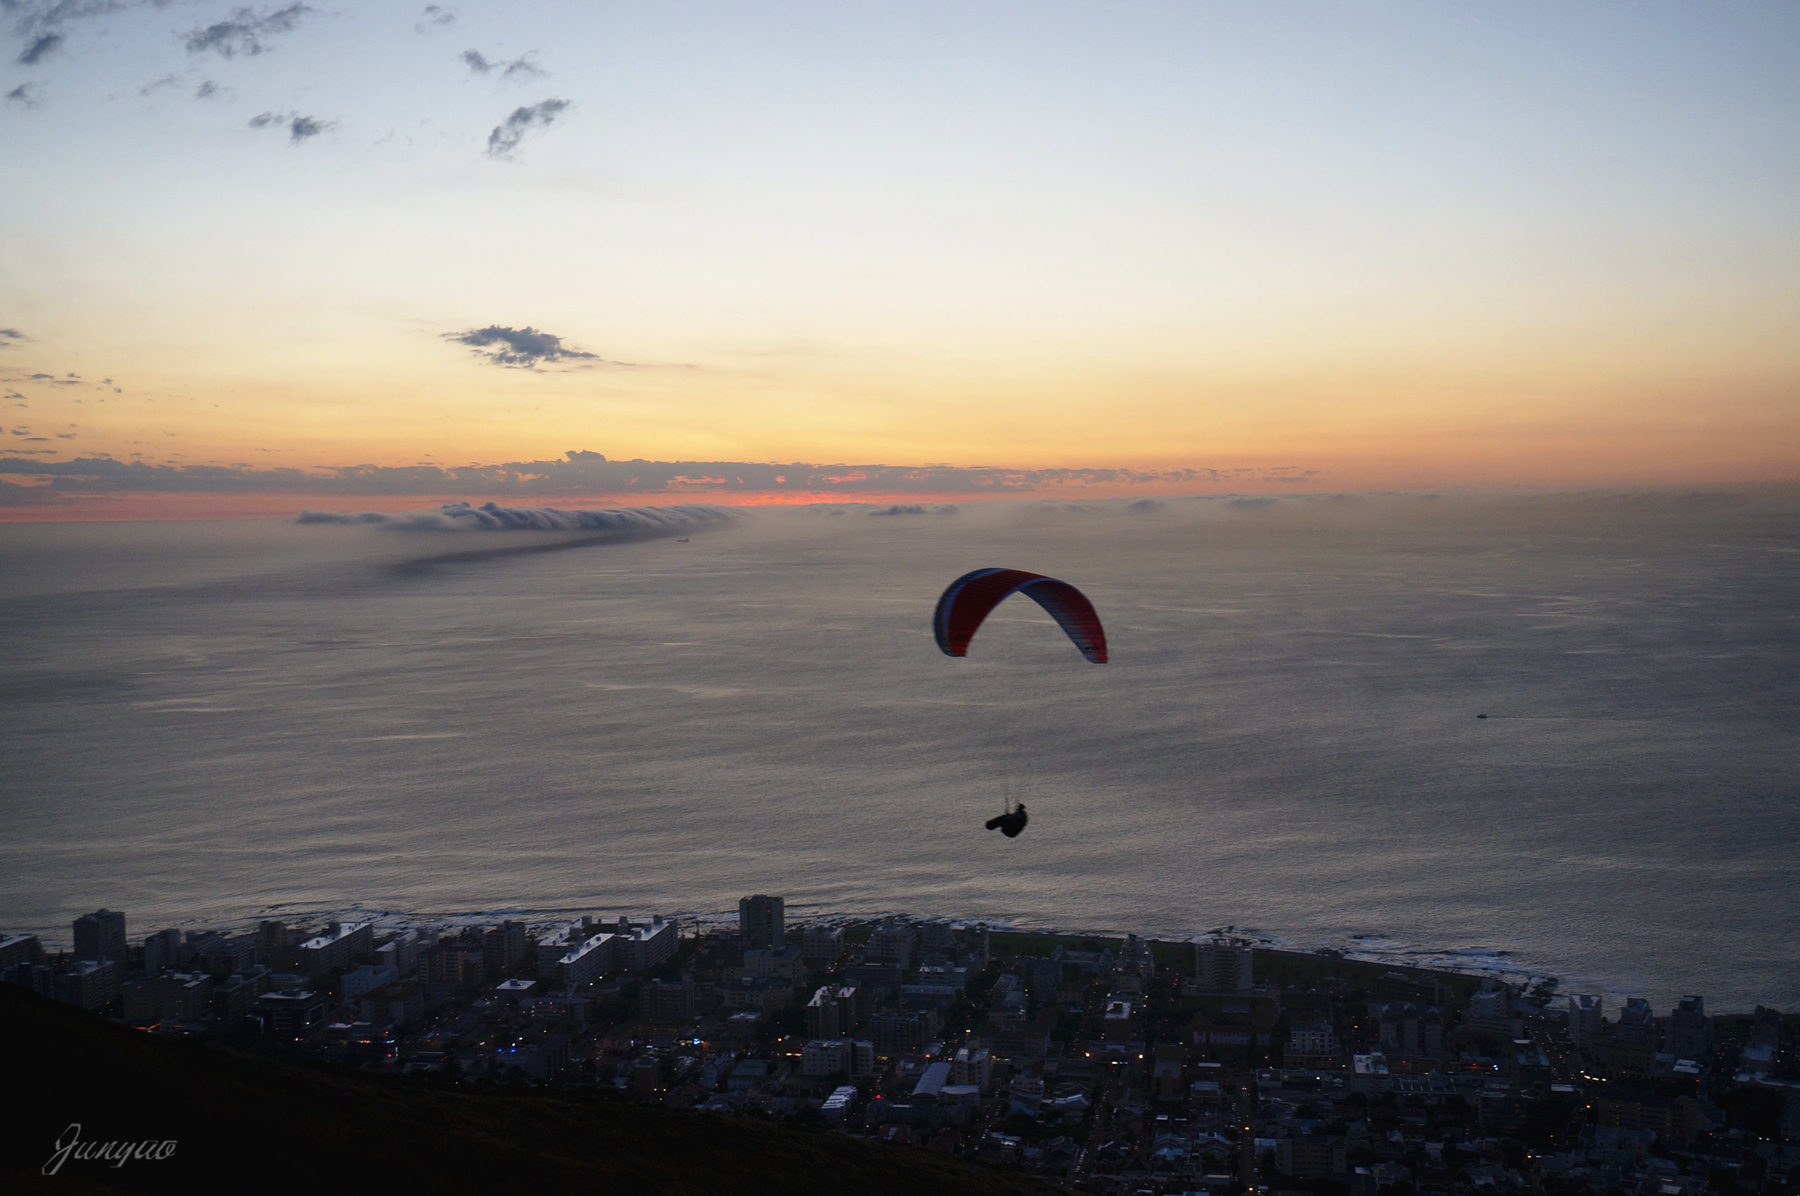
{"x":1010,"y":823}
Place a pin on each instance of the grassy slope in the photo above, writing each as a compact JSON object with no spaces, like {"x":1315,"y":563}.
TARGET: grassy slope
{"x":259,"y":1122}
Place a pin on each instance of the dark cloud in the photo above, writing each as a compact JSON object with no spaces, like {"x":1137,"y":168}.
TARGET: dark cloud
{"x":31,"y":17}
{"x":40,"y":48}
{"x":206,"y":90}
{"x":504,"y":141}
{"x":492,"y":517}
{"x":245,"y":31}
{"x":53,"y":380}
{"x":302,"y":127}
{"x":519,"y":347}
{"x":519,"y":68}
{"x":10,"y":337}
{"x":14,"y":495}
{"x":435,"y":16}
{"x":24,"y":93}
{"x":913,"y":508}
{"x":299,"y":127}
{"x":39,"y":24}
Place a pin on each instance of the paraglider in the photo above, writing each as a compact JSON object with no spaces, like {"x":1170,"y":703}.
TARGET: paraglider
{"x":967,"y":601}
{"x":1010,"y":823}
{"x":971,"y":597}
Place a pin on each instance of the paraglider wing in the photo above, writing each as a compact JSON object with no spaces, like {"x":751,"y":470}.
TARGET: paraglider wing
{"x":970,"y":597}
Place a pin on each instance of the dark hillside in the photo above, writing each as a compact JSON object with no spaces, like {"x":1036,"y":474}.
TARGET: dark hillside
{"x":268,"y":1125}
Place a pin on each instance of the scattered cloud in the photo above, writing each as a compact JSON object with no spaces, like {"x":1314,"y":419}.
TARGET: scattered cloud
{"x":24,"y":93}
{"x":206,"y":91}
{"x":41,"y":47}
{"x":11,"y":337}
{"x":53,"y":380}
{"x":522,"y":348}
{"x":519,"y":68}
{"x":435,"y":16}
{"x":504,"y":141}
{"x":299,"y":127}
{"x":245,"y":31}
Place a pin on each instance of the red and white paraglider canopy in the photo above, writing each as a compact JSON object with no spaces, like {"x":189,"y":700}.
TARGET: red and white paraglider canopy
{"x":970,"y":597}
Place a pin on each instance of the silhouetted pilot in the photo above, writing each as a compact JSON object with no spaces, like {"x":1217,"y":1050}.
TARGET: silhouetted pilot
{"x":1009,"y":824}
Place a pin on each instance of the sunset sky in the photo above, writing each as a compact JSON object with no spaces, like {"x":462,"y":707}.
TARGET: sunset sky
{"x":1101,"y":248}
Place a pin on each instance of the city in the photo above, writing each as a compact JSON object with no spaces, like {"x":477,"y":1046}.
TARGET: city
{"x":1093,"y":1063}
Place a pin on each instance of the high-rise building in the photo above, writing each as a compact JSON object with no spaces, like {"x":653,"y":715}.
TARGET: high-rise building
{"x":1409,"y":1030}
{"x":502,"y":946}
{"x":761,"y":921}
{"x":162,"y":951}
{"x":90,"y":983}
{"x":16,"y":949}
{"x":822,"y":1014}
{"x":974,"y":1066}
{"x":1688,"y":1034}
{"x":822,"y":944}
{"x":890,"y":942}
{"x":271,"y":940}
{"x":936,"y":941}
{"x":1586,"y":1012}
{"x":1312,"y":1043}
{"x":825,"y":1056}
{"x":1135,"y":958}
{"x":639,"y":948}
{"x":554,"y":944}
{"x":899,"y":1033}
{"x":667,"y":1002}
{"x":1224,"y":965}
{"x":974,"y":952}
{"x":1490,"y":1009}
{"x":1636,"y":1023}
{"x":587,"y":962}
{"x":100,"y":936}
{"x":401,"y":952}
{"x":333,"y":950}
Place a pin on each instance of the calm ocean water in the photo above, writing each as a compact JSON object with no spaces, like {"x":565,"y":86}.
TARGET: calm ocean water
{"x":204,"y":723}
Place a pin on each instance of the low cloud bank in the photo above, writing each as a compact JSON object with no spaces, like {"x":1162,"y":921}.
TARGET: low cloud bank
{"x":913,"y":508}
{"x":580,"y":472}
{"x":492,"y":517}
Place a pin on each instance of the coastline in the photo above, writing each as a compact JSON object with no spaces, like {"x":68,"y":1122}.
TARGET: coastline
{"x":1356,"y":953}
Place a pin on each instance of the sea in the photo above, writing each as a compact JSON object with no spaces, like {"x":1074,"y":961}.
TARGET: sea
{"x":429,"y":721}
